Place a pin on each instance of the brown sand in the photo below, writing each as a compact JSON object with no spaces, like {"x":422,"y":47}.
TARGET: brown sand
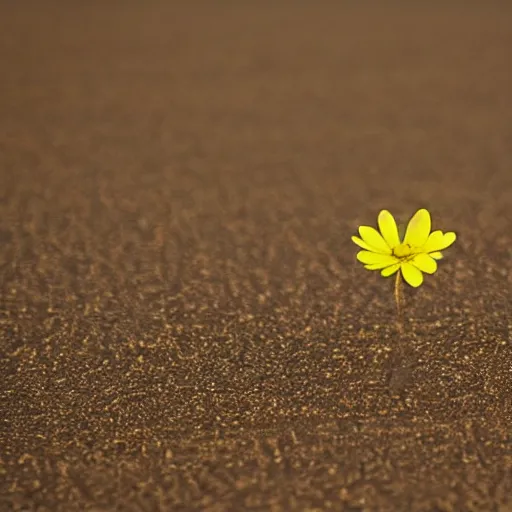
{"x":184,"y":324}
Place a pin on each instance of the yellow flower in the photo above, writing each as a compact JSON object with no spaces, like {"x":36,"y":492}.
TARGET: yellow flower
{"x":417,"y":253}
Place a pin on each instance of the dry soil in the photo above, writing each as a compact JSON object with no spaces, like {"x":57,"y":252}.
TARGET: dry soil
{"x":184,"y":324}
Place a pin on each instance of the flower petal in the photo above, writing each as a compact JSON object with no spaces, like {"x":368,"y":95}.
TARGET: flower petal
{"x":387,"y":226}
{"x":361,"y":243}
{"x":437,"y":255}
{"x":425,"y":263}
{"x":374,"y":258}
{"x":434,"y":240}
{"x":412,"y":275}
{"x":418,"y":229}
{"x":449,"y":238}
{"x":374,"y":266}
{"x":378,"y":266}
{"x":437,"y":241}
{"x":388,"y":271}
{"x":374,"y":239}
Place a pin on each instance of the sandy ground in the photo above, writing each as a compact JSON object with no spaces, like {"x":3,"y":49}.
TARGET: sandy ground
{"x":184,"y":324}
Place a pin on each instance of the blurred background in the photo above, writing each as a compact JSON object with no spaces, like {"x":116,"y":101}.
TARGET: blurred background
{"x":179,"y":183}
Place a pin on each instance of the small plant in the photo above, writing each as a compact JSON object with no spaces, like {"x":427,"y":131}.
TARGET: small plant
{"x":409,"y":258}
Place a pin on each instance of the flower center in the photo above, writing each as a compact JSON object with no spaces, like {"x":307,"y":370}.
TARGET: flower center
{"x":402,"y":251}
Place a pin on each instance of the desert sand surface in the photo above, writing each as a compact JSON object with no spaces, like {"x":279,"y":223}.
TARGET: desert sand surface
{"x":184,"y":323}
